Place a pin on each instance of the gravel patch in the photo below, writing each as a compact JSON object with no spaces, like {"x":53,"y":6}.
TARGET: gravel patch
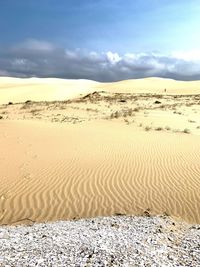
{"x":104,"y":241}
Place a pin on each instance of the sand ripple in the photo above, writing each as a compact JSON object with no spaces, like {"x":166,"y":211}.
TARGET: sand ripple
{"x":74,"y":171}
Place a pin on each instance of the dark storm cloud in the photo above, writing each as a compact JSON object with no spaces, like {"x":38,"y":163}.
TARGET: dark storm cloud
{"x":43,"y":59}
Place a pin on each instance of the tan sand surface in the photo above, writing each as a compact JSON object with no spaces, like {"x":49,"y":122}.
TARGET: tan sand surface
{"x":103,"y":153}
{"x":153,"y":85}
{"x":49,"y":89}
{"x":38,"y":89}
{"x":51,"y":171}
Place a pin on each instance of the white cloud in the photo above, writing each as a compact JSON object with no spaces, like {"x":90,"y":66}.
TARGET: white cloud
{"x":130,"y":56}
{"x":113,"y":58}
{"x":192,"y":55}
{"x":43,"y":59}
{"x":70,"y":54}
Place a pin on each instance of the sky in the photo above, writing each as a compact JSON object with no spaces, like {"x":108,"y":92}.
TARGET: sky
{"x":103,"y":40}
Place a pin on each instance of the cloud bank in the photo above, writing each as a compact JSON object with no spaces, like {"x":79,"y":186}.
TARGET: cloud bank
{"x":43,"y":59}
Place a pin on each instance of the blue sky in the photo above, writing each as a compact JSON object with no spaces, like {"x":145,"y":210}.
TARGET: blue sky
{"x":110,"y":40}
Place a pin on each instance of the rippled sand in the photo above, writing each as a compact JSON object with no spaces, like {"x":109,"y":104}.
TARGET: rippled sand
{"x":51,"y":172}
{"x":84,"y":165}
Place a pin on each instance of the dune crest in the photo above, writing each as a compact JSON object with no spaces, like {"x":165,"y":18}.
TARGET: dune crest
{"x":50,"y":89}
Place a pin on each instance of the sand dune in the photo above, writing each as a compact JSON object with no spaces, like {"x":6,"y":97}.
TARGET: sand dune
{"x":49,"y":89}
{"x":154,"y":86}
{"x":100,"y":154}
{"x":72,"y":171}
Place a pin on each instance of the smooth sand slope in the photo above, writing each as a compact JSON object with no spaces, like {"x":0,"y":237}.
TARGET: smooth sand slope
{"x":37,"y":89}
{"x":49,"y":89}
{"x":153,"y":86}
{"x":95,"y":155}
{"x":51,"y":171}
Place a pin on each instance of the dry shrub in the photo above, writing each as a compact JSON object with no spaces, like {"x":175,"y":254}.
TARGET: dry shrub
{"x":158,"y":128}
{"x":115,"y":115}
{"x":147,"y":128}
{"x":136,"y":109}
{"x":167,"y":128}
{"x":186,"y":130}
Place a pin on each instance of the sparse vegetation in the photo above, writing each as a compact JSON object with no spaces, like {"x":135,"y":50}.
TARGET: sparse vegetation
{"x":147,"y":128}
{"x":177,"y":112}
{"x":157,"y":102}
{"x":92,"y":109}
{"x":115,"y":115}
{"x":191,"y":121}
{"x":26,"y":106}
{"x":186,"y":130}
{"x":163,"y":106}
{"x":167,"y":128}
{"x":128,"y":112}
{"x":158,"y":128}
{"x":35,"y":111}
{"x":123,"y":113}
{"x":106,"y":105}
{"x":136,"y":109}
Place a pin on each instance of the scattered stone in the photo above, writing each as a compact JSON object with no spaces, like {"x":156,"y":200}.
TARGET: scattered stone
{"x":137,"y":241}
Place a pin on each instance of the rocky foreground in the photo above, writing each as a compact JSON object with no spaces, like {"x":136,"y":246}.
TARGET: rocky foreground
{"x":104,"y":241}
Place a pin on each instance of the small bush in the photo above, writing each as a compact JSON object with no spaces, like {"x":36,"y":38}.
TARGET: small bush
{"x":158,"y":128}
{"x":191,"y":121}
{"x":186,"y":130}
{"x":130,"y":112}
{"x":167,"y":128}
{"x":136,"y":109}
{"x":35,"y":111}
{"x":147,"y":128}
{"x":115,"y":115}
{"x":163,"y":106}
{"x":177,"y":112}
{"x":157,"y":102}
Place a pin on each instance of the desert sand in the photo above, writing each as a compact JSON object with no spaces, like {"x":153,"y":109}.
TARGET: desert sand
{"x":83,"y":149}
